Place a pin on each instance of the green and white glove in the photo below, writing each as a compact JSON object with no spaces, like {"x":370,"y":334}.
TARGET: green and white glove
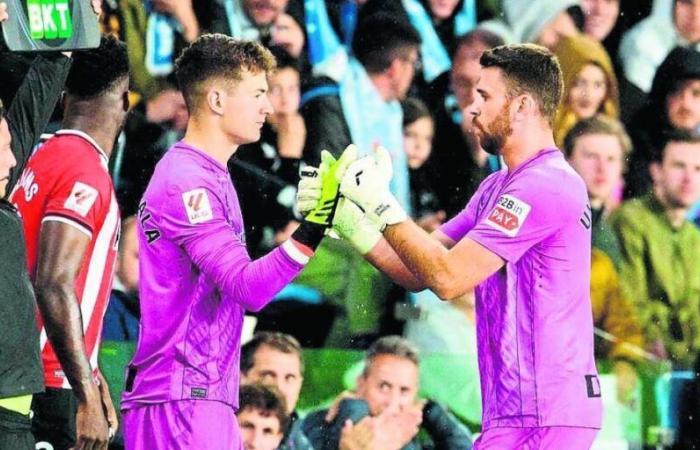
{"x":366,"y":183}
{"x":351,"y":225}
{"x":323,"y":188}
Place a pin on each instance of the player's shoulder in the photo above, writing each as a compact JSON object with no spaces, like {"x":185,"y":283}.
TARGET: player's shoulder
{"x":183,"y":175}
{"x":551,"y":177}
{"x":68,"y":158}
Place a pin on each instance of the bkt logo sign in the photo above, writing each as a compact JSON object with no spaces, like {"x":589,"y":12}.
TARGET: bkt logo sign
{"x":49,"y":19}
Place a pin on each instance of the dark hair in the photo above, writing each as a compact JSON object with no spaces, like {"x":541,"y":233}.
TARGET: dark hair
{"x":281,"y":342}
{"x":2,"y":110}
{"x":284,"y":59}
{"x":673,"y":135}
{"x":488,"y":38}
{"x":218,"y":56}
{"x":267,"y":400}
{"x":391,"y":345}
{"x":414,"y":109}
{"x":95,"y":71}
{"x":598,"y":124}
{"x":381,"y":38}
{"x":532,"y":69}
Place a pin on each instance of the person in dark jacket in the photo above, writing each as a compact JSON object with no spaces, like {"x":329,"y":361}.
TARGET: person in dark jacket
{"x":385,"y":407}
{"x":20,"y":365}
{"x":673,"y":104}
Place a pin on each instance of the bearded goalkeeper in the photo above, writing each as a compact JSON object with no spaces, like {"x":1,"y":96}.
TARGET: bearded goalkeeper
{"x":523,"y":241}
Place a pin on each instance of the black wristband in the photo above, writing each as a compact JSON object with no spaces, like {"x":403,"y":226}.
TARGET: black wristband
{"x":309,"y":234}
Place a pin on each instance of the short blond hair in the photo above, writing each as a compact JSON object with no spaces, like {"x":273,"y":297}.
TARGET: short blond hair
{"x":598,"y":124}
{"x":217,"y":56}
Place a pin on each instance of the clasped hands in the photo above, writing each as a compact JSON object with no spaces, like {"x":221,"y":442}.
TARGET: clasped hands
{"x":351,"y":196}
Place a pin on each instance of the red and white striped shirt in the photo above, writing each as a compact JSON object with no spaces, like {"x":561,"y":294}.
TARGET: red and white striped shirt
{"x":67,"y":181}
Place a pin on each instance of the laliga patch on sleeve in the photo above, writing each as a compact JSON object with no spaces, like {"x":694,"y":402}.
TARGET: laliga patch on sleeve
{"x":81,"y":198}
{"x":197,"y":205}
{"x":508,"y":215}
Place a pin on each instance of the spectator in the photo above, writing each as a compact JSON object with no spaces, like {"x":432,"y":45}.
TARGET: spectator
{"x":660,"y":248}
{"x":121,"y":321}
{"x":264,"y":21}
{"x":543,"y":22}
{"x":457,"y":160}
{"x":590,"y":85}
{"x":364,"y":109}
{"x":648,"y":43}
{"x":597,"y":149}
{"x":439,"y":24}
{"x":155,"y":31}
{"x":20,"y":360}
{"x":673,"y":104}
{"x":261,"y":417}
{"x":605,"y":21}
{"x":275,"y":359}
{"x":418,"y":132}
{"x":386,"y":408}
{"x":271,"y":166}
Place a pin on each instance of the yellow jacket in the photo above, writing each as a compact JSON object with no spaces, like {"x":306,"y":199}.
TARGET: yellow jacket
{"x":612,"y":311}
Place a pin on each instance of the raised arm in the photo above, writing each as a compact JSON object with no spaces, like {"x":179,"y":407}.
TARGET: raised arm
{"x":33,"y":105}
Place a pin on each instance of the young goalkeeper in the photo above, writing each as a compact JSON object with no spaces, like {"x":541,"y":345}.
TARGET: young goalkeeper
{"x":197,"y":279}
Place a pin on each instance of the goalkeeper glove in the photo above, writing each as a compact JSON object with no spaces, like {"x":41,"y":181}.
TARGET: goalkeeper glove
{"x":330,"y":173}
{"x":351,"y":225}
{"x":366,"y":183}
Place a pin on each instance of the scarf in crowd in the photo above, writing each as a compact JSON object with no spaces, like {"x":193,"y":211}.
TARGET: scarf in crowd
{"x":328,"y":55}
{"x":160,"y":41}
{"x":373,"y":122}
{"x":239,"y":26}
{"x":434,"y":56}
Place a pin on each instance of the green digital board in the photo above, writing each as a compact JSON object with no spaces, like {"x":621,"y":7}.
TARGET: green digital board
{"x":41,"y":25}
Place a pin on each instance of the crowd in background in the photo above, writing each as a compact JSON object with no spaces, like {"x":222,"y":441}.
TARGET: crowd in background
{"x":401,"y":73}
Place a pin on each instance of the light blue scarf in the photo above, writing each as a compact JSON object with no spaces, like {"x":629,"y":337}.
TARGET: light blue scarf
{"x":327,"y":55}
{"x":372,"y":122}
{"x":160,"y":43}
{"x":239,"y":26}
{"x":434,"y":56}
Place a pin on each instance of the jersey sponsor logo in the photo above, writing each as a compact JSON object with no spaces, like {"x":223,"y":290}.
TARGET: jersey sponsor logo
{"x":508,"y":215}
{"x":81,"y":198}
{"x":26,"y":182}
{"x":197,"y":206}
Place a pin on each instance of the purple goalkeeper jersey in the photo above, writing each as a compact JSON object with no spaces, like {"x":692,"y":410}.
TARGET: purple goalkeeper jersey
{"x":196,"y":282}
{"x":534,"y":317}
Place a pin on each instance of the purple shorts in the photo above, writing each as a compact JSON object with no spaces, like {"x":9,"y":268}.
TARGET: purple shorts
{"x":541,"y":438}
{"x":182,"y":424}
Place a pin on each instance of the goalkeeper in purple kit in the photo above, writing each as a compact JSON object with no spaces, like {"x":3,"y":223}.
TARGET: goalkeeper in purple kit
{"x":522,"y":241}
{"x":197,"y":279}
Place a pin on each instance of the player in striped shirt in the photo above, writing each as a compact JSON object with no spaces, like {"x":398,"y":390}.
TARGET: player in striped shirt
{"x":71,"y":223}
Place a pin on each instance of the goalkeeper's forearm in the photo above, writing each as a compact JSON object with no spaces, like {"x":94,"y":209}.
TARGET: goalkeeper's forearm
{"x":383,"y":257}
